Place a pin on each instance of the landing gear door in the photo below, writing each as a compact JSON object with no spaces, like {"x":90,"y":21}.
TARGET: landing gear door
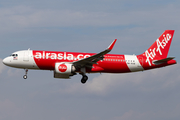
{"x":26,"y":56}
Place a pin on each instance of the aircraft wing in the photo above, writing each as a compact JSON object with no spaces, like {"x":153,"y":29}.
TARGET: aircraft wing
{"x":89,"y":61}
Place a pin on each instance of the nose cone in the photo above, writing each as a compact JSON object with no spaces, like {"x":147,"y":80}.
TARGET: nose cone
{"x":6,"y":61}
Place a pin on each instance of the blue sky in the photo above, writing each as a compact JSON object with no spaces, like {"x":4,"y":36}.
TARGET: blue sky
{"x":88,"y":26}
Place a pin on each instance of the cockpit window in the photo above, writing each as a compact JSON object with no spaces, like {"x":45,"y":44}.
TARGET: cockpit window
{"x":14,"y":55}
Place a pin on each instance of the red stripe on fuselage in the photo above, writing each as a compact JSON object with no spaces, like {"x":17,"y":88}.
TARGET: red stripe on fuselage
{"x":111,"y":63}
{"x":114,"y":64}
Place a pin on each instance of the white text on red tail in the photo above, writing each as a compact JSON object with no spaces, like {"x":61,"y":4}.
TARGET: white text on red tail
{"x":151,"y":54}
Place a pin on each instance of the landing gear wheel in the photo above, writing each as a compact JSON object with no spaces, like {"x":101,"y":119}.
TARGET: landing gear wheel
{"x":84,"y":79}
{"x":25,"y":76}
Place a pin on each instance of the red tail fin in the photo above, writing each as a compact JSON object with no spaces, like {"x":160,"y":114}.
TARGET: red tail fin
{"x":159,"y":50}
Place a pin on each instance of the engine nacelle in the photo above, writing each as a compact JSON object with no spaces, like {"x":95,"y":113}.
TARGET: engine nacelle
{"x":63,"y":70}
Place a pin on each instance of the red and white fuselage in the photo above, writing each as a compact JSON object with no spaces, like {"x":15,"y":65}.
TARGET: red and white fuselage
{"x":66,"y":64}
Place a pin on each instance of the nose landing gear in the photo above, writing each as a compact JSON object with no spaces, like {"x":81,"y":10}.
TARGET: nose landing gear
{"x":25,"y":76}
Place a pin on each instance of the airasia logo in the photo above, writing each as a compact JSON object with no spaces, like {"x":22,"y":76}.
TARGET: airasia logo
{"x":62,"y":68}
{"x":59,"y":56}
{"x":151,"y":54}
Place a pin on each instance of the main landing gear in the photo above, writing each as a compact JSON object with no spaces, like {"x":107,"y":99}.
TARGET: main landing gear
{"x":84,"y":79}
{"x":25,"y":76}
{"x":84,"y":76}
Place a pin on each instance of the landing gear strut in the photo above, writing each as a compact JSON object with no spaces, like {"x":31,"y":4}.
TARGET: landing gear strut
{"x":84,"y":76}
{"x":25,"y":76}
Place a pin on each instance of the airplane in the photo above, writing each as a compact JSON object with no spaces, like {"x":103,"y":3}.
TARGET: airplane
{"x":67,"y":64}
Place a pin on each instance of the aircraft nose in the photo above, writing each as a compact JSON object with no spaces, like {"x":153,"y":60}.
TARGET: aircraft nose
{"x":6,"y":61}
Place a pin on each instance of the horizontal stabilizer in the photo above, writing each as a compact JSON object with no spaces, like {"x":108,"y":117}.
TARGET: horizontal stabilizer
{"x":157,"y":62}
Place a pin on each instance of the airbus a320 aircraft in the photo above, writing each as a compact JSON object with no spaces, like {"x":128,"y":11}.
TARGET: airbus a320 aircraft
{"x":66,"y":64}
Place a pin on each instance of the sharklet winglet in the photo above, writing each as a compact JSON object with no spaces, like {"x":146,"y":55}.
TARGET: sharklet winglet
{"x":112,"y":45}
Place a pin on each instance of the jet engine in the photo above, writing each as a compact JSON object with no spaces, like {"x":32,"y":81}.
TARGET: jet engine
{"x":64,"y":70}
